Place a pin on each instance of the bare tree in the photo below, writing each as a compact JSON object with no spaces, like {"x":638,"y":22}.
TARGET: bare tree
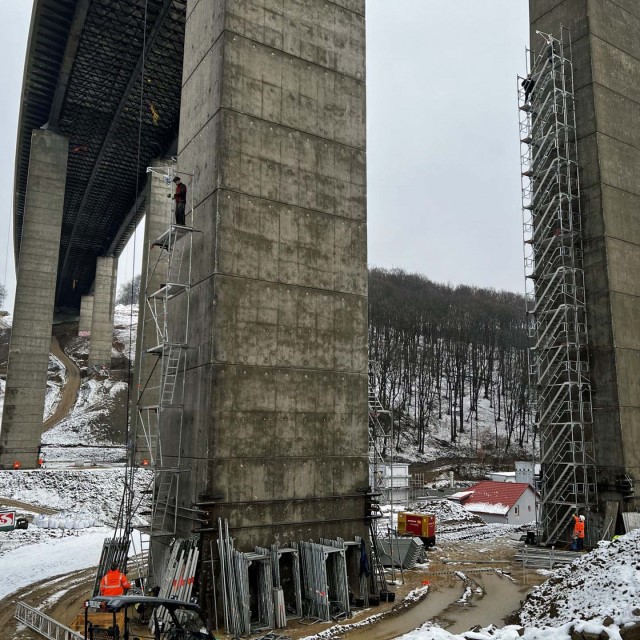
{"x":129,"y":292}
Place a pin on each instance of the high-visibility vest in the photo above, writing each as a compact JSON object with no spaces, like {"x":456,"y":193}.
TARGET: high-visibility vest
{"x":578,"y":527}
{"x":114,"y":583}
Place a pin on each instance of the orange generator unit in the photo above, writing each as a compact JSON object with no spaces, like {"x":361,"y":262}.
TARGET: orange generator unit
{"x":422,"y":525}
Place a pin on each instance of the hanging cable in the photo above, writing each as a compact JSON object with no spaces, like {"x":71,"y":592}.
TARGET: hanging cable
{"x":126,"y":506}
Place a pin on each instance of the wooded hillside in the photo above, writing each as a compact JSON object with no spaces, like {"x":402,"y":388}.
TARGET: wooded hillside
{"x":442,"y":351}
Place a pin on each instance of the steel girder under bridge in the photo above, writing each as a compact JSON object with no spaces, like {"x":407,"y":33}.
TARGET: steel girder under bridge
{"x":86,"y":64}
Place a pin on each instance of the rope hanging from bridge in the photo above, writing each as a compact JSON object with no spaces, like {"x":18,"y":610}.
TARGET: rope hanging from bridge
{"x":127,"y":508}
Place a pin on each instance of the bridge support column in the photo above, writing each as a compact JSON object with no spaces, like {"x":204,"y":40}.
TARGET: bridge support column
{"x":86,"y":312}
{"x":147,"y":372}
{"x":35,"y":295}
{"x":102,"y":315}
{"x":273,"y":126}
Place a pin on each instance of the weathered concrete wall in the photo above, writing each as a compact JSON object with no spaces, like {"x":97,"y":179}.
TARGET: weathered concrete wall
{"x":86,"y":313}
{"x":273,"y":125}
{"x":606,"y":54}
{"x":103,"y":308}
{"x":33,"y":308}
{"x":147,"y":370}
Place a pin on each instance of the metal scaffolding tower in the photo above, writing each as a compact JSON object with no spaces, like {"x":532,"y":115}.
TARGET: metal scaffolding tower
{"x":160,"y":402}
{"x":555,"y":292}
{"x":378,"y":437}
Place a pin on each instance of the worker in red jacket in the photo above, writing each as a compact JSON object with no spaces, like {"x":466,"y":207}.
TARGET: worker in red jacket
{"x":578,"y":531}
{"x":180,"y":196}
{"x":114,"y":582}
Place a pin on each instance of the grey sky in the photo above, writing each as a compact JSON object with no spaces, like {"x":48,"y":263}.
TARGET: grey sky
{"x":443,"y":172}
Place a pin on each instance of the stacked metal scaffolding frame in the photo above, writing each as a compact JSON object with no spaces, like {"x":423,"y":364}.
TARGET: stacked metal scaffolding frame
{"x":292,"y":603}
{"x":178,"y":577}
{"x":161,"y":394}
{"x":555,"y":292}
{"x":248,"y":605}
{"x":325,"y":582}
{"x":113,"y":550}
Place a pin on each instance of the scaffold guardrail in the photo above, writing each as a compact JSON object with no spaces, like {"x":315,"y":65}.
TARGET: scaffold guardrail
{"x":43,"y":624}
{"x":555,"y":290}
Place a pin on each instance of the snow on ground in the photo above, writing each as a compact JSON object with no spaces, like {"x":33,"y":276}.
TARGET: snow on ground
{"x":95,"y":492}
{"x":125,"y":326}
{"x":57,"y":373}
{"x":86,"y":425}
{"x":603,"y":582}
{"x":34,"y":562}
{"x":598,"y":594}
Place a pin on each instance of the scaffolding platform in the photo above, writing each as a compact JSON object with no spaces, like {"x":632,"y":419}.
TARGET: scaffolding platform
{"x":555,"y":292}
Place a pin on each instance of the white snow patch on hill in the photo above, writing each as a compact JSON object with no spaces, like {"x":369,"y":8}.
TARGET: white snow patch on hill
{"x":125,"y":327}
{"x":93,"y":402}
{"x":57,"y":379}
{"x":96,"y":492}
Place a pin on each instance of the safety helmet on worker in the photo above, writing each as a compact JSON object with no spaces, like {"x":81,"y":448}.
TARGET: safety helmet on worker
{"x":582,"y":518}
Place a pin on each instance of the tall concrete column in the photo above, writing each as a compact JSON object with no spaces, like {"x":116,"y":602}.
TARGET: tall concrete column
{"x":273,"y":126}
{"x":102,"y":314}
{"x":606,"y":58}
{"x":35,"y":294}
{"x":86,"y":312}
{"x":158,"y":217}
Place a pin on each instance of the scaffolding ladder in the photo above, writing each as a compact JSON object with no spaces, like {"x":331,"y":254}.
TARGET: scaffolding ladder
{"x":555,"y":291}
{"x":378,"y":436}
{"x":161,"y":386}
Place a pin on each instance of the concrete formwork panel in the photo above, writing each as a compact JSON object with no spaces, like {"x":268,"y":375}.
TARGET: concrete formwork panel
{"x":273,"y":126}
{"x":33,"y":309}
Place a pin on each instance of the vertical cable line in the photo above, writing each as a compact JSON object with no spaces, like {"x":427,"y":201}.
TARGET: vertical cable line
{"x":126,"y":505}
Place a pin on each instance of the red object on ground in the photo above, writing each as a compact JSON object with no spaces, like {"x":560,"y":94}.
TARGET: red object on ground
{"x":16,"y":465}
{"x":422,"y":525}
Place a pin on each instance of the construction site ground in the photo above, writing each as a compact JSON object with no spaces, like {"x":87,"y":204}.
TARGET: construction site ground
{"x":469,"y":583}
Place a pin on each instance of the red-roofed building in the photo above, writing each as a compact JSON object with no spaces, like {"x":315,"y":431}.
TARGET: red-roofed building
{"x":502,"y":502}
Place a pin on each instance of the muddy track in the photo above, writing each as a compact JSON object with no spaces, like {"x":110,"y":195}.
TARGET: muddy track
{"x":70,"y":389}
{"x":76,"y":587}
{"x":6,"y":502}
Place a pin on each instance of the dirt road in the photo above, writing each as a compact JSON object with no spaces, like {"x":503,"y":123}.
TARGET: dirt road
{"x":47,"y":596}
{"x":7,"y":502}
{"x":70,"y":389}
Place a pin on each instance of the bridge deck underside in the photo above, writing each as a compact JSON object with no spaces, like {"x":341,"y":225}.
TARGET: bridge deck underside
{"x":85,"y":78}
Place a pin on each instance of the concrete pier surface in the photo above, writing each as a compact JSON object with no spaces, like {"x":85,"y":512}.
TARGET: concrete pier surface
{"x":34,"y":303}
{"x":104,"y":299}
{"x":273,"y":127}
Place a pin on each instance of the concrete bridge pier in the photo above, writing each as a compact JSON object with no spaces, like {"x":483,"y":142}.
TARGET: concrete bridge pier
{"x":273,"y":127}
{"x":86,"y":312}
{"x":21,"y":429}
{"x":104,"y":298}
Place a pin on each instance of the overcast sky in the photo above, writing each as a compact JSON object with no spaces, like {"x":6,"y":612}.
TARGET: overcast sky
{"x":443,"y":167}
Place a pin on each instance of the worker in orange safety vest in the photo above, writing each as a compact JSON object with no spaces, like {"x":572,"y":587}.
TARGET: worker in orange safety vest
{"x":114,"y":582}
{"x":578,"y":531}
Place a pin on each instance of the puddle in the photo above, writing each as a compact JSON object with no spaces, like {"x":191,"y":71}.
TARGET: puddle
{"x":402,"y":623}
{"x":501,"y":597}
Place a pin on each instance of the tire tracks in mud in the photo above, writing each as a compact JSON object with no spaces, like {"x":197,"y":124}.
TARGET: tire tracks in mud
{"x":60,"y":597}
